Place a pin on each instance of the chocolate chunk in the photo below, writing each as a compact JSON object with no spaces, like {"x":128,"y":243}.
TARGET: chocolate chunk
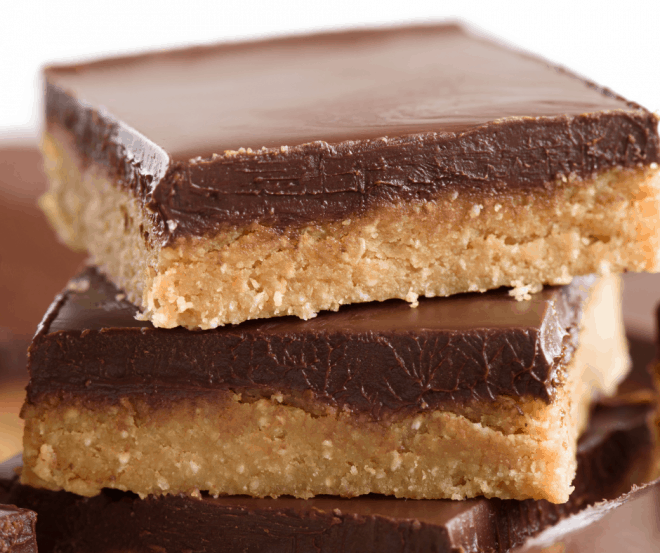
{"x":615,"y":453}
{"x":17,"y":530}
{"x":378,"y":358}
{"x":349,"y":121}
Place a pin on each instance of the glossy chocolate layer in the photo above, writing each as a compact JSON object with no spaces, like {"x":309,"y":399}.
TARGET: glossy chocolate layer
{"x":614,"y":454}
{"x":17,"y":530}
{"x":349,"y":121}
{"x":377,"y":358}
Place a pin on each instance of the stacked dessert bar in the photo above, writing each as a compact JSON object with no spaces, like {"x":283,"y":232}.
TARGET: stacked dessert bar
{"x":298,"y":252}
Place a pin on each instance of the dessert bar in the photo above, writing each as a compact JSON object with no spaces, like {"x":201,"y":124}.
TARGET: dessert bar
{"x":615,"y":453}
{"x":475,"y":394}
{"x":293,"y":175}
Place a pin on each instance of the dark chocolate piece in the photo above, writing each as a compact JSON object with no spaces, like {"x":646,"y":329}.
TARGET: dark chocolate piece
{"x":17,"y":530}
{"x":377,"y":358}
{"x":615,"y":453}
{"x":351,"y":120}
{"x":583,"y":532}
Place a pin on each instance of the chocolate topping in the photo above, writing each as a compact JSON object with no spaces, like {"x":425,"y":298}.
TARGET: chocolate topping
{"x":377,"y":358}
{"x":615,"y":453}
{"x":349,"y":121}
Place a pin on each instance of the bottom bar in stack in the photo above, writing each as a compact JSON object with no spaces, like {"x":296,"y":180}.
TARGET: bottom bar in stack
{"x":615,"y":453}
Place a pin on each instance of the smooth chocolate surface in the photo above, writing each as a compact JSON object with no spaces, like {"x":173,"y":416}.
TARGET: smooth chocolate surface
{"x":17,"y":529}
{"x":349,"y":121}
{"x":378,"y":358}
{"x":614,"y":454}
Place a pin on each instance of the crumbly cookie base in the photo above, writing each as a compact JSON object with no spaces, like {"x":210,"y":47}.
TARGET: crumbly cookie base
{"x":223,"y":445}
{"x":226,"y":443}
{"x":456,"y":243}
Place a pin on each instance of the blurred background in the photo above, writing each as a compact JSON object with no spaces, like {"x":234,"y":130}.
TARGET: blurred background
{"x":616,"y":44}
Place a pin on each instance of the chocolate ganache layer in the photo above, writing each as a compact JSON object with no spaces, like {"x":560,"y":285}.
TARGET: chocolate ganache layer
{"x":377,"y":358}
{"x":614,"y":453}
{"x":297,"y":130}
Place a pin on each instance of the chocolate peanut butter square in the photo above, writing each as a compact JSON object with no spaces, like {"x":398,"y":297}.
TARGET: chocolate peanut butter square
{"x":293,"y":175}
{"x":469,"y":395}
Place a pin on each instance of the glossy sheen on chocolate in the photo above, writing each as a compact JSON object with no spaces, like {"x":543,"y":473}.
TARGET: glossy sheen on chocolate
{"x":609,"y":462}
{"x":378,"y":358}
{"x":17,"y":530}
{"x":349,"y":120}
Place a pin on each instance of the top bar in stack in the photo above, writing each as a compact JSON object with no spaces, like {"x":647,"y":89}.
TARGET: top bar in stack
{"x":292,"y":175}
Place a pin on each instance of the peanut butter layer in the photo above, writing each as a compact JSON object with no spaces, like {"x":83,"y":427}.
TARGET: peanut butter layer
{"x":273,"y":440}
{"x":224,"y":445}
{"x":614,"y":454}
{"x":475,"y":167}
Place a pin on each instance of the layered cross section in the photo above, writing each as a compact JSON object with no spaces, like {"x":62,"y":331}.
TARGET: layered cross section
{"x":212,"y":193}
{"x":462,"y":396}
